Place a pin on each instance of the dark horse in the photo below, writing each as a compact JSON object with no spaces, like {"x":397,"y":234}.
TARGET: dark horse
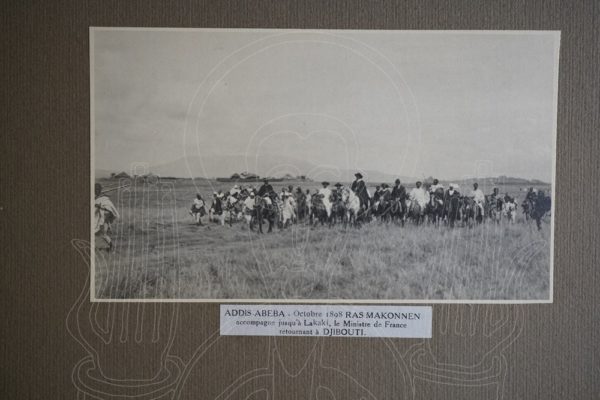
{"x":302,"y":206}
{"x":264,"y":210}
{"x":416,"y":213}
{"x":398,"y":210}
{"x":528,"y":208}
{"x":470,"y":211}
{"x":384,"y":208}
{"x":318,"y":212}
{"x":452,"y":209}
{"x":436,"y":207}
{"x":338,"y":211}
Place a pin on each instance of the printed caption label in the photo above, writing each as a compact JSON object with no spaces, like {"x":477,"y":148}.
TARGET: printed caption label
{"x":326,"y":320}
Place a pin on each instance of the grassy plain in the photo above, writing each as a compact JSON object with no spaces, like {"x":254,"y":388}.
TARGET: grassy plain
{"x":160,"y":253}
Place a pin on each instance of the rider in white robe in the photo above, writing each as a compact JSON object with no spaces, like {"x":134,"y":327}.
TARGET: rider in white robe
{"x":478,"y":196}
{"x":419,"y":195}
{"x":326,"y":193}
{"x":249,"y":205}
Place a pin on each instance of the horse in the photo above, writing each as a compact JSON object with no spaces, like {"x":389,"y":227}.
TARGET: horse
{"x":435,"y":207}
{"x":415,"y":212}
{"x":453,"y":208}
{"x":493,"y":207}
{"x":338,"y":209}
{"x":318,"y":212}
{"x":351,"y":203}
{"x":384,"y":207}
{"x":398,"y":210}
{"x":264,"y":209}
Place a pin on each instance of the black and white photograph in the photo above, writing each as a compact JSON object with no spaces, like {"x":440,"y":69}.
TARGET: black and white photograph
{"x":322,"y":165}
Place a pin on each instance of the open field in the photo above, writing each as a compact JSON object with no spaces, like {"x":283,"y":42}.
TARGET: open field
{"x":160,"y":253}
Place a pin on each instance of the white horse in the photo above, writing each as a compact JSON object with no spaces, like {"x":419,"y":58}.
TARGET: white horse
{"x":351,"y":204}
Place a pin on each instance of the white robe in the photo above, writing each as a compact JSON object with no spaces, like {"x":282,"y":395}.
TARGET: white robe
{"x":287,"y":210}
{"x":102,"y":208}
{"x":479,"y":198}
{"x":420,"y":196}
{"x":326,"y":193}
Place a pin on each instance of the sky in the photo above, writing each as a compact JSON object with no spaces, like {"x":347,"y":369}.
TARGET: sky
{"x":412,"y":103}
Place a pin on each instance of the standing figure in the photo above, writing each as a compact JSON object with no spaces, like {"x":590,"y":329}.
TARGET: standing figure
{"x":541,"y":207}
{"x":301,"y":204}
{"x":216,"y":209}
{"x":509,"y":208}
{"x":287,"y":209}
{"x":249,"y":208}
{"x":105,"y":213}
{"x":198,"y":209}
{"x":528,"y":203}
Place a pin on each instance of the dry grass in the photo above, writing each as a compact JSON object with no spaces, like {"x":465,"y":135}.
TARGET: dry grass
{"x":161,"y":254}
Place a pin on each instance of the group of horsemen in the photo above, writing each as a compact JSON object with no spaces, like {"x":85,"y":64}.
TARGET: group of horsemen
{"x":432,"y":202}
{"x":353,"y":204}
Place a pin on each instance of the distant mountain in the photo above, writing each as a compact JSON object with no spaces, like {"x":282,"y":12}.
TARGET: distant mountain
{"x":272,"y":165}
{"x":505,"y":180}
{"x":214,"y":166}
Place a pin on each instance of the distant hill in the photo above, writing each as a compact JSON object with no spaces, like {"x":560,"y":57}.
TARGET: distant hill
{"x":224,"y":166}
{"x":505,"y":180}
{"x":214,"y":166}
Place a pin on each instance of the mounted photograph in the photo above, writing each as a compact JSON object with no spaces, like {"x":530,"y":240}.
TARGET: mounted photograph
{"x":354,"y":166}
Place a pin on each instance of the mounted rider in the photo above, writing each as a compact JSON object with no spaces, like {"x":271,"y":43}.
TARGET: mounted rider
{"x":376,"y":194}
{"x":337,"y":192}
{"x":265,"y":188}
{"x":385,"y":196}
{"x":419,"y":196}
{"x":359,"y":187}
{"x":436,"y":192}
{"x":529,"y":202}
{"x":399,"y":194}
{"x":478,"y":196}
{"x":325,"y":194}
{"x":531,"y":195}
{"x":452,"y":191}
